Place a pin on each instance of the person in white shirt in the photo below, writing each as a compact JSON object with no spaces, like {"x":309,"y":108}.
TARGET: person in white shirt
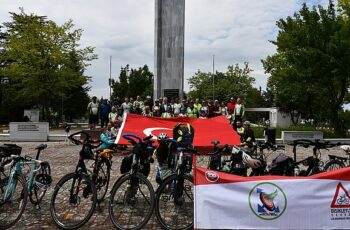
{"x":127,"y":106}
{"x":92,"y":109}
{"x":113,"y":116}
{"x":176,"y":107}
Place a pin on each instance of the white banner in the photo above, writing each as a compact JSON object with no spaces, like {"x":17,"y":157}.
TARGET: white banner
{"x":225,"y":201}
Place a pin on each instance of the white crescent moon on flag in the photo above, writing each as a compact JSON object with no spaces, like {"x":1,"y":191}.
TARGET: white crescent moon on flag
{"x":149,"y":131}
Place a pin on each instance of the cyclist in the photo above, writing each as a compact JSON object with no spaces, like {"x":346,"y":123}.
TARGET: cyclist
{"x":107,"y":141}
{"x":168,"y":113}
{"x":239,"y":128}
{"x":248,"y":136}
{"x":197,"y":106}
{"x":161,"y":153}
{"x":191,"y":110}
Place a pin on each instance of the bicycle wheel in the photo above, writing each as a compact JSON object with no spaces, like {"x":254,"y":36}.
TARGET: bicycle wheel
{"x":333,"y":165}
{"x":73,"y":201}
{"x":174,"y":209}
{"x":132,"y":202}
{"x":102,"y":179}
{"x":12,"y":206}
{"x":38,"y":190}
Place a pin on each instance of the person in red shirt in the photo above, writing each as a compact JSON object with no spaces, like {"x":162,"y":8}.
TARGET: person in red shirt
{"x":231,"y":104}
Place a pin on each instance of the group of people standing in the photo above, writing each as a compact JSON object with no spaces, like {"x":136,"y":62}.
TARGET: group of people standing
{"x":110,"y":113}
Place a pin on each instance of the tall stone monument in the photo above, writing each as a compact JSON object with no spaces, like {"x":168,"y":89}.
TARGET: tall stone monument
{"x":169,"y":48}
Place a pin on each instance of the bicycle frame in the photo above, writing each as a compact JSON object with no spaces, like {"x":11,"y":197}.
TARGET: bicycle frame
{"x":17,"y":170}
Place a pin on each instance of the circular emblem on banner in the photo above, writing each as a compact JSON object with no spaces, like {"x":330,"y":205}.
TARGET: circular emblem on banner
{"x":211,"y":176}
{"x":267,"y":201}
{"x":156,"y":131}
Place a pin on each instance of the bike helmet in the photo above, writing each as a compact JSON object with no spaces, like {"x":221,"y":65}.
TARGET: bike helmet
{"x":162,"y":137}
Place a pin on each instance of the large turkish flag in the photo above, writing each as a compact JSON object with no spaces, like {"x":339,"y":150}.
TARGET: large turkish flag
{"x":205,"y":130}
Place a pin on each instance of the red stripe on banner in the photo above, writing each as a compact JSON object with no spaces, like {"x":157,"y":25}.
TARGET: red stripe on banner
{"x":206,"y":176}
{"x":206,"y":130}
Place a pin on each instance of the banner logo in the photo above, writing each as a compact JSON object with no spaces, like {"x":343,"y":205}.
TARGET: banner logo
{"x":267,"y":201}
{"x":149,"y":131}
{"x":340,"y":206}
{"x":211,"y":176}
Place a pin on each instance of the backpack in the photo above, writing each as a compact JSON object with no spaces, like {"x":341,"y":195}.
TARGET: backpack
{"x":184,"y":134}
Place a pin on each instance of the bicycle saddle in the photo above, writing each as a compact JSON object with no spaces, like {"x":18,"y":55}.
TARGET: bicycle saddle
{"x":41,"y":146}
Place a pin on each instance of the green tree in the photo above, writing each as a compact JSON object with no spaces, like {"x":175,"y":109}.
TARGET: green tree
{"x":43,"y":62}
{"x":133,"y":82}
{"x":235,"y":81}
{"x":310,"y":71}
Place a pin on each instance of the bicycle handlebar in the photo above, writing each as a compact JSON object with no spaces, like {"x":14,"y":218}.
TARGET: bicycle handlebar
{"x":219,"y":151}
{"x":130,"y":137}
{"x":269,"y":145}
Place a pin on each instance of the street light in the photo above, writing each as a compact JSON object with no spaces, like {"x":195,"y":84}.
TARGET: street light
{"x":110,"y":77}
{"x":213,"y":78}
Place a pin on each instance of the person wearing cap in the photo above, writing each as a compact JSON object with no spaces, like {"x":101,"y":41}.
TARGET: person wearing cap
{"x":92,"y":109}
{"x":248,"y":135}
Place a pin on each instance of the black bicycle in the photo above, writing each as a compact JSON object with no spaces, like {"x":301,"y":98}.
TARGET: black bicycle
{"x":174,"y":197}
{"x":132,"y":197}
{"x":313,"y":163}
{"x":338,"y":162}
{"x":75,"y":196}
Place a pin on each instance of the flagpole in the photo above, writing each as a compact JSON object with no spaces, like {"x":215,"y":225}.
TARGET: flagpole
{"x":110,"y":77}
{"x":213,"y":77}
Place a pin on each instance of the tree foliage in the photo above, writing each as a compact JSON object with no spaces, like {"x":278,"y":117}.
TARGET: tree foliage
{"x":44,"y":65}
{"x":133,"y":82}
{"x":310,"y":71}
{"x":236,"y":81}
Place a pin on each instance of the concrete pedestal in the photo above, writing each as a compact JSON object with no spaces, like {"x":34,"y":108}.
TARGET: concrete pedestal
{"x":29,"y":131}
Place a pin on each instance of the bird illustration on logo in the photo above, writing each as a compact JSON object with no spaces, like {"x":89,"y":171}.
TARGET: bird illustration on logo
{"x":267,"y":200}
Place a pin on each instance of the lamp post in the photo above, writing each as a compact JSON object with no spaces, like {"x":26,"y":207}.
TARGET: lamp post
{"x":110,"y":78}
{"x":213,"y":77}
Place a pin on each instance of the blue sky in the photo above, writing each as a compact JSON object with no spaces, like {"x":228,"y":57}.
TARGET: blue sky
{"x":234,"y":31}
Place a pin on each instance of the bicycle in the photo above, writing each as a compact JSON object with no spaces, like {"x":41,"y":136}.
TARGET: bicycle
{"x":343,"y":200}
{"x":174,"y":196}
{"x":314,"y":163}
{"x":239,"y":161}
{"x":16,"y":188}
{"x":337,"y":162}
{"x":81,"y":186}
{"x":132,"y":197}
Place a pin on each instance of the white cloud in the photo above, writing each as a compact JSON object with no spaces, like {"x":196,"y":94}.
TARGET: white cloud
{"x":234,"y":30}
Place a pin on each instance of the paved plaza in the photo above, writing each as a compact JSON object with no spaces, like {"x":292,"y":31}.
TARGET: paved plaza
{"x":63,"y":159}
